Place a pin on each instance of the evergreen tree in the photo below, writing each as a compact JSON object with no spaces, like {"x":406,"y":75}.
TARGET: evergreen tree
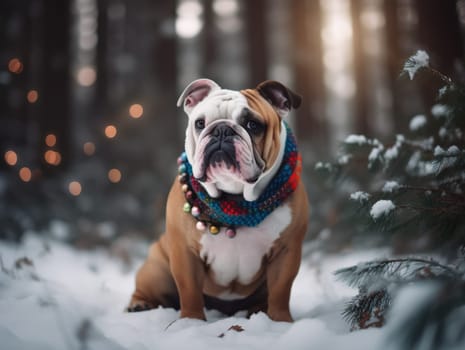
{"x":414,"y":194}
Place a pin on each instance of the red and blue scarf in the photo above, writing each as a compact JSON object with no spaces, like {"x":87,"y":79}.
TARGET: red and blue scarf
{"x":234,"y":210}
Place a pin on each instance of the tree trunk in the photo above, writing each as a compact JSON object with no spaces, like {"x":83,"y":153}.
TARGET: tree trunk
{"x":256,"y":40}
{"x":360,"y":67}
{"x":308,"y":68}
{"x":439,"y":33}
{"x":55,"y":96}
{"x":394,"y":58}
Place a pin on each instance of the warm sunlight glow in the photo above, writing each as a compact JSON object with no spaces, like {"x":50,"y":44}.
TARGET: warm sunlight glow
{"x":372,"y":19}
{"x":337,"y":43}
{"x":25,"y":174}
{"x":75,"y":188}
{"x":136,"y":111}
{"x":189,"y":21}
{"x":225,"y":8}
{"x":339,"y":79}
{"x":11,"y":158}
{"x":114,"y":175}
{"x":89,"y":148}
{"x":50,"y":140}
{"x":32,"y":96}
{"x":111,"y":131}
{"x":228,"y":13}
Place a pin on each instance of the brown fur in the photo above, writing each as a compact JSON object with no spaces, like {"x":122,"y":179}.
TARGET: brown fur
{"x":175,"y":276}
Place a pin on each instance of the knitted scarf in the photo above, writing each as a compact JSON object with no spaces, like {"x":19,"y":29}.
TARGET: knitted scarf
{"x":234,"y":210}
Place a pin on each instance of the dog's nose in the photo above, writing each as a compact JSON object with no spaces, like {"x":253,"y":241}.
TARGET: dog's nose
{"x":222,"y":131}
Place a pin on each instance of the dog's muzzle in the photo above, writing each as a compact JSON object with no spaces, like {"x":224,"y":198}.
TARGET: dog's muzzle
{"x":220,"y":148}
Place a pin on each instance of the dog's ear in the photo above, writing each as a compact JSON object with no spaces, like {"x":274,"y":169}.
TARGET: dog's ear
{"x":279,"y":96}
{"x":196,"y":92}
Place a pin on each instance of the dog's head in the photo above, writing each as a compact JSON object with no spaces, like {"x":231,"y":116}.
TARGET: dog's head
{"x":235,"y":139}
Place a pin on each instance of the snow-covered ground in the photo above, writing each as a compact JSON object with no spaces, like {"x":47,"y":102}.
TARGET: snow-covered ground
{"x":56,"y":297}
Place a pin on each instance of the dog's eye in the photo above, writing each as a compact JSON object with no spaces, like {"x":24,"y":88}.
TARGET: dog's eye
{"x":200,"y":124}
{"x":254,"y":127}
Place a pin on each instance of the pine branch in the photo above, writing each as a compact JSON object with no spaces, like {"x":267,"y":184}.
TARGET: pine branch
{"x":367,"y":310}
{"x":447,"y":80}
{"x":381,"y":273}
{"x":376,"y":280}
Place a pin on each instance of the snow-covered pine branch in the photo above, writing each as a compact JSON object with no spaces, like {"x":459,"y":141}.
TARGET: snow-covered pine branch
{"x":416,"y":62}
{"x":382,"y":208}
{"x":379,"y":274}
{"x":379,"y":281}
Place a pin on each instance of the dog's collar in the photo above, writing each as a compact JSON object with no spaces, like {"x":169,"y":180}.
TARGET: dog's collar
{"x":232,"y":211}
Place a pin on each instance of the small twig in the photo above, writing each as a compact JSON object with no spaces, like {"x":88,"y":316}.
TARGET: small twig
{"x":442,"y":76}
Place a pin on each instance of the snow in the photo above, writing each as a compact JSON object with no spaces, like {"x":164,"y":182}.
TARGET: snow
{"x":344,"y":159}
{"x":451,"y":151}
{"x":439,"y":151}
{"x":417,"y":167}
{"x":409,"y":301}
{"x":360,"y":196}
{"x":356,"y":139}
{"x":390,"y":186}
{"x":375,"y":153}
{"x":439,"y":110}
{"x":393,"y":152}
{"x":62,"y":298}
{"x":417,"y":122}
{"x":415,"y":62}
{"x":450,"y":158}
{"x":381,"y":208}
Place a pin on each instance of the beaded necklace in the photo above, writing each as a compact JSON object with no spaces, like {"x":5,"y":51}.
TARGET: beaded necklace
{"x":232,"y":211}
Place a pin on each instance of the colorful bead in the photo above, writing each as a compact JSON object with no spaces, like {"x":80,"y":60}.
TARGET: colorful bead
{"x":187,"y":207}
{"x":200,"y":225}
{"x":180,"y":161}
{"x":195,"y":211}
{"x":182,"y":169}
{"x":182,"y":178}
{"x":214,"y":229}
{"x":189,"y":195}
{"x":231,"y":233}
{"x":184,"y":188}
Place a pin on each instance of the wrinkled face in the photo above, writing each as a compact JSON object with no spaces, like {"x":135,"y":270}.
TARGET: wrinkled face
{"x":232,"y":137}
{"x":229,"y":138}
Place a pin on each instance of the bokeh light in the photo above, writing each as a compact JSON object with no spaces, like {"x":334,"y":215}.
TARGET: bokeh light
{"x":136,"y":111}
{"x":15,"y":66}
{"x":75,"y":188}
{"x":110,"y":131}
{"x":32,"y":96}
{"x":88,"y":148}
{"x":114,"y":175}
{"x":86,"y":76}
{"x":52,"y":157}
{"x":189,"y":22}
{"x":11,"y":158}
{"x":50,"y":140}
{"x":25,"y":174}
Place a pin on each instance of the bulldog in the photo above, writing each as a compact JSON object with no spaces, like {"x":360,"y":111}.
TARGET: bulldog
{"x":237,"y":214}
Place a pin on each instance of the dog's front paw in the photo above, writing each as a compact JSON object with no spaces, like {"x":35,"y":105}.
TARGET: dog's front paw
{"x":138,"y":306}
{"x":280,"y":315}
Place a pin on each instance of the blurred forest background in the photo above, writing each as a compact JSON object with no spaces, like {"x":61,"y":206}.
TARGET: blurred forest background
{"x":89,"y":129}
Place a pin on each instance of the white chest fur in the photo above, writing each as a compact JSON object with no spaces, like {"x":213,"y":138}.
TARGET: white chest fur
{"x":240,"y":258}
